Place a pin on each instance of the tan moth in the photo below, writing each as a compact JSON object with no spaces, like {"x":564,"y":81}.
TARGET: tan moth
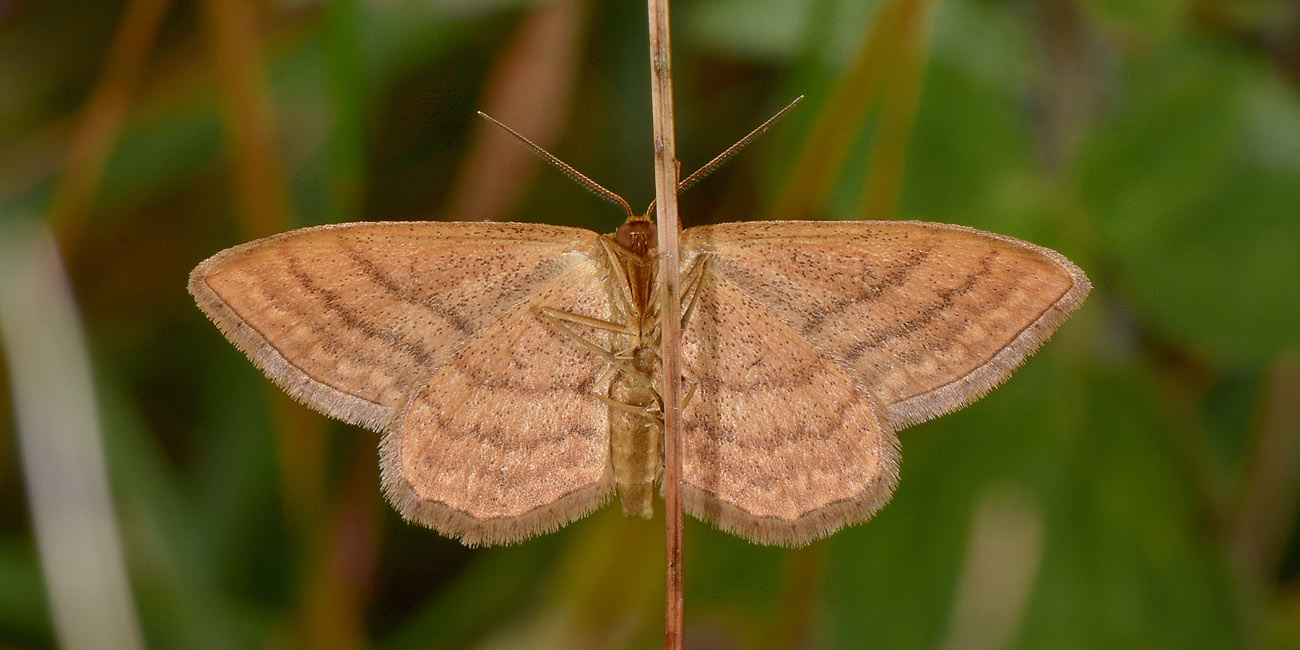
{"x":513,"y":368}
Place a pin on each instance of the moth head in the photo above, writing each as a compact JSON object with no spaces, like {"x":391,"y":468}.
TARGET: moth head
{"x":638,"y":234}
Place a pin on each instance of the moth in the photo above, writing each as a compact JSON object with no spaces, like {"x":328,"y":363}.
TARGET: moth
{"x":513,"y":368}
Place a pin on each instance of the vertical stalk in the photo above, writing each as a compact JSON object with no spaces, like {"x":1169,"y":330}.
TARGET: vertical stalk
{"x":665,"y":148}
{"x":102,"y":119}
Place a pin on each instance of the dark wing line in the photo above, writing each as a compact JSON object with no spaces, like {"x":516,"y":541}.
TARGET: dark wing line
{"x":968,"y":388}
{"x":300,"y":385}
{"x":964,"y":390}
{"x":458,"y":523}
{"x":312,"y":391}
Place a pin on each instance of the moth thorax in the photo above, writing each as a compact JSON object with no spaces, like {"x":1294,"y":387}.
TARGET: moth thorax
{"x":635,"y":437}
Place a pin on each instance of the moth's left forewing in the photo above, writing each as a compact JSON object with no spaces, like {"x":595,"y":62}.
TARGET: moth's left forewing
{"x":780,"y":445}
{"x":927,"y":316}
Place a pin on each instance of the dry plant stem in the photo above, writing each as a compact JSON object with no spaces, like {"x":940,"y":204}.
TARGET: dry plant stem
{"x":102,"y":118}
{"x":261,"y":193}
{"x":661,"y":87}
{"x":898,"y":104}
{"x":817,"y":166}
{"x":1268,"y":498}
{"x":262,"y":206}
{"x":531,"y":88}
{"x":59,"y":439}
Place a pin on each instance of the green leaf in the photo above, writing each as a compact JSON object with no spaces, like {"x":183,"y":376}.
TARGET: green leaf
{"x":1201,"y":223}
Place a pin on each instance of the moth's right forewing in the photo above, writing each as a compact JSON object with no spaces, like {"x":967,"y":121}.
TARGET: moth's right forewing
{"x":346,"y":317}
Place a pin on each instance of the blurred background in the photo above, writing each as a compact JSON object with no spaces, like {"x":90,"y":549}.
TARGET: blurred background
{"x":1134,"y":485}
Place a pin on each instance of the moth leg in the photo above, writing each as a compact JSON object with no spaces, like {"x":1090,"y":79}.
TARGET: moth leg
{"x":624,"y":283}
{"x":608,"y":356}
{"x":693,"y":274}
{"x":596,"y":323}
{"x":690,"y":390}
{"x":686,"y":374}
{"x":690,"y":292}
{"x":605,"y":374}
{"x":694,"y":277}
{"x":694,"y":383}
{"x":649,"y":413}
{"x":623,"y":355}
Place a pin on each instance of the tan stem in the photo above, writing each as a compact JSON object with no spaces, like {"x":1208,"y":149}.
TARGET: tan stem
{"x":665,"y":149}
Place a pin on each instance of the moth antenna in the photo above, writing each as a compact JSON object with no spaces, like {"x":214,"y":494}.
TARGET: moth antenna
{"x":573,"y":174}
{"x":734,"y":149}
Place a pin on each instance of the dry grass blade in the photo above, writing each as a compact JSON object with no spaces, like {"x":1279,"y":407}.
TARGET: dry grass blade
{"x":60,"y":439}
{"x":530,"y":87}
{"x":661,"y":85}
{"x":814,"y":171}
{"x":103,"y":116}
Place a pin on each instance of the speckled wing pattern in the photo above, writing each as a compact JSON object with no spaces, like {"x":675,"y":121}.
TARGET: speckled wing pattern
{"x":809,"y":344}
{"x":779,"y":444}
{"x":507,"y":438}
{"x":430,"y":333}
{"x":346,"y":317}
{"x":812,"y":342}
{"x":928,"y":317}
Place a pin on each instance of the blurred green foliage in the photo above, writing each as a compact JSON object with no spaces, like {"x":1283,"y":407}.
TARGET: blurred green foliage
{"x":1133,"y":486}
